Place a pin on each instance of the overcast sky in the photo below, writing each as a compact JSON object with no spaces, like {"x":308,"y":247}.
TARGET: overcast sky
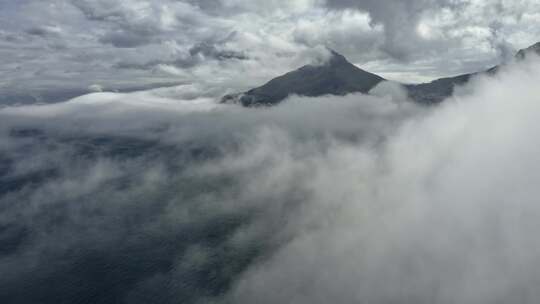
{"x":231,"y":45}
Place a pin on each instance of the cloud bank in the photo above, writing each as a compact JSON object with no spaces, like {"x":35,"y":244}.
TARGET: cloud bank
{"x":164,"y":196}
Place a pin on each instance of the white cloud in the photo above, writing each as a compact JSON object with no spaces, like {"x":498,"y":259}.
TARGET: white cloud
{"x":343,"y":199}
{"x":444,"y":211}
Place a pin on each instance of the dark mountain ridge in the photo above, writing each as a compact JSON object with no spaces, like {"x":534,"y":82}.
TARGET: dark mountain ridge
{"x":335,"y":77}
{"x":340,"y":77}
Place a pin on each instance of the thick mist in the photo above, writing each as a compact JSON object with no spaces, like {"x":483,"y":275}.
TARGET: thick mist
{"x":165,"y":196}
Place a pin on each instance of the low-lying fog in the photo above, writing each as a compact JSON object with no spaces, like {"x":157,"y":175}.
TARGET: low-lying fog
{"x":167,"y":197}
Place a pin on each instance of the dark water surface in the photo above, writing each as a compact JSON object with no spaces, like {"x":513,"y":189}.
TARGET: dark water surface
{"x":83,"y":222}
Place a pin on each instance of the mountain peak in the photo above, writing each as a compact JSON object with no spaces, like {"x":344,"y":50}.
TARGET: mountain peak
{"x":337,"y":58}
{"x":335,"y":77}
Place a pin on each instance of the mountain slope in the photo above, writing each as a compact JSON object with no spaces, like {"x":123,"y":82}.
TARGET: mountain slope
{"x":440,"y":89}
{"x":336,"y":77}
{"x":535,"y":48}
{"x":339,"y":77}
{"x":437,"y":90}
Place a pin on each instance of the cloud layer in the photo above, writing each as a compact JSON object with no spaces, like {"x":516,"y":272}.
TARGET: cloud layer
{"x":164,"y":196}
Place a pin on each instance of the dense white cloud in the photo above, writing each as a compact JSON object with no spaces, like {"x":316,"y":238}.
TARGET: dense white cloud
{"x":343,"y":199}
{"x":112,"y":178}
{"x":443,"y":212}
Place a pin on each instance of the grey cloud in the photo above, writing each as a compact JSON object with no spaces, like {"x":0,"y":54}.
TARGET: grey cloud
{"x":399,"y":18}
{"x":101,"y":10}
{"x":124,"y":39}
{"x":197,"y":54}
{"x":130,"y":24}
{"x":210,"y":51}
{"x":505,"y":50}
{"x":188,"y":62}
{"x":213,"y":6}
{"x":43,"y":31}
